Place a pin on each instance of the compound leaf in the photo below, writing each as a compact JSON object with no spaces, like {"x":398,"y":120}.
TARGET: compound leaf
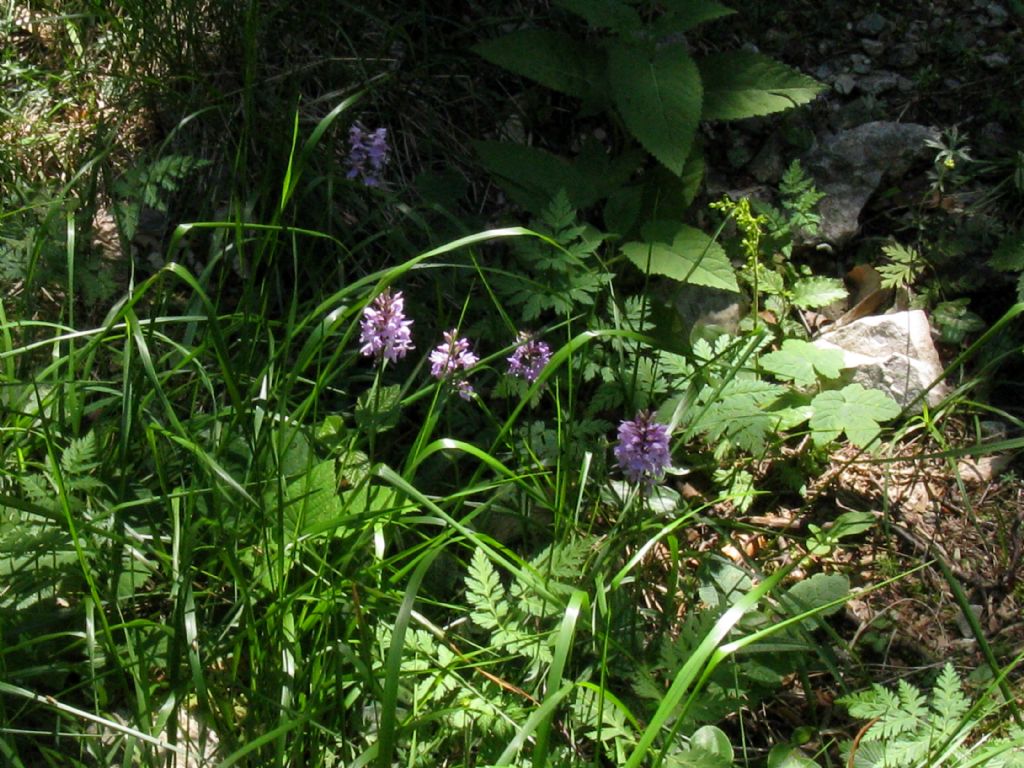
{"x":813,"y":292}
{"x":738,"y":414}
{"x":485,"y":593}
{"x":948,"y":698}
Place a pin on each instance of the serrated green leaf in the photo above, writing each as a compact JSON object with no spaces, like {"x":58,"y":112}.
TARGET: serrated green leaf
{"x":532,"y":177}
{"x":802,"y":362}
{"x":683,"y":253}
{"x":657,"y":91}
{"x":792,"y":417}
{"x":684,"y":15}
{"x":693,"y":174}
{"x":814,"y":292}
{"x":948,"y":699}
{"x":955,"y":321}
{"x":80,"y":456}
{"x":738,"y":414}
{"x":1009,"y":254}
{"x":553,"y":59}
{"x":742,"y":84}
{"x":485,"y":593}
{"x":853,"y":410}
{"x":604,"y":14}
{"x":377,"y":409}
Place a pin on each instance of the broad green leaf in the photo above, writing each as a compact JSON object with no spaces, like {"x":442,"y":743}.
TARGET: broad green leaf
{"x":682,"y":253}
{"x":790,"y":418}
{"x":851,"y":524}
{"x":603,"y":174}
{"x":533,"y":177}
{"x":713,"y":740}
{"x":377,"y":409}
{"x":955,"y":321}
{"x":810,"y":594}
{"x":622,"y":211}
{"x":684,"y":15}
{"x":742,"y":84}
{"x":657,"y":91}
{"x":1009,"y":254}
{"x":693,"y":174}
{"x":311,"y":500}
{"x":657,"y":191}
{"x":802,"y":362}
{"x":604,"y":14}
{"x":738,"y":414}
{"x":553,"y":59}
{"x":814,"y":292}
{"x":853,"y":410}
{"x":786,"y":756}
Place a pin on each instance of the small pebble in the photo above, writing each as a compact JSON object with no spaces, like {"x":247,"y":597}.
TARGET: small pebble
{"x":995,"y":60}
{"x":844,"y":84}
{"x":873,"y":48}
{"x":903,"y":55}
{"x":878,"y":82}
{"x":871,"y":24}
{"x":860,"y":63}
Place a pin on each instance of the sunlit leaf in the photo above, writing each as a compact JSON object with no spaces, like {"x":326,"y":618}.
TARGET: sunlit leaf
{"x":853,"y":410}
{"x":658,"y":93}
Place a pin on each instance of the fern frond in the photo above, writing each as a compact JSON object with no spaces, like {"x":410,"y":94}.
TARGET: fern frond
{"x":81,"y":456}
{"x":485,"y":593}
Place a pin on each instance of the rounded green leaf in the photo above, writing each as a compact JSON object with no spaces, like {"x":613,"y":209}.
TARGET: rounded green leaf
{"x":803,"y":362}
{"x":713,"y":740}
{"x":658,"y":93}
{"x":785,"y":756}
{"x":853,"y":410}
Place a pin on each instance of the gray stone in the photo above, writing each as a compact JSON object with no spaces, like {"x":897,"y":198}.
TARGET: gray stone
{"x":873,"y":48}
{"x":703,"y":311}
{"x":879,"y":82}
{"x":849,"y":166}
{"x":860,"y":63}
{"x":903,"y":55}
{"x":768,"y":165}
{"x":891,"y":353}
{"x":844,"y":84}
{"x":995,"y":60}
{"x":997,"y":15}
{"x":871,"y":24}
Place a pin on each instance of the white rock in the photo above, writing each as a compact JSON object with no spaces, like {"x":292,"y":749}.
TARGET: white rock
{"x":892,"y":353}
